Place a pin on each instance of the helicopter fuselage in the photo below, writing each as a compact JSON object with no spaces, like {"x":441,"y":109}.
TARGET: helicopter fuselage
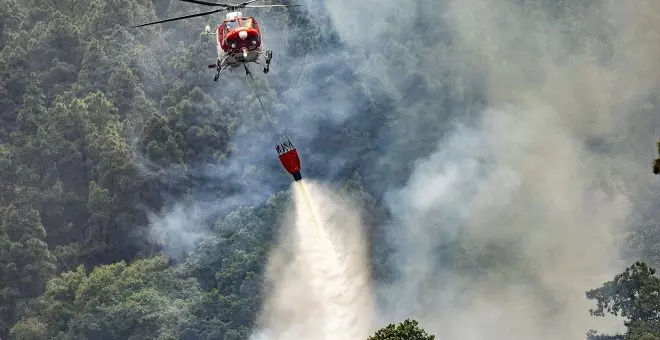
{"x":238,"y":40}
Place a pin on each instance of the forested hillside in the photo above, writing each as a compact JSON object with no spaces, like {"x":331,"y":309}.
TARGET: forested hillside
{"x":501,"y":158}
{"x":103,"y":126}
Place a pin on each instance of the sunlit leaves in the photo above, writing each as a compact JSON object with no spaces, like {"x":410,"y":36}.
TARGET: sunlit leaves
{"x":11,"y":16}
{"x":406,"y":330}
{"x":144,"y":300}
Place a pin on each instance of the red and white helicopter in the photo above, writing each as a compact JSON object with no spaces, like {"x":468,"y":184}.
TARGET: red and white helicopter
{"x":239,"y":39}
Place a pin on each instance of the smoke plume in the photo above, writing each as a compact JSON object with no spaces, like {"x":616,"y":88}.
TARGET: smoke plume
{"x":515,"y":157}
{"x":522,"y":209}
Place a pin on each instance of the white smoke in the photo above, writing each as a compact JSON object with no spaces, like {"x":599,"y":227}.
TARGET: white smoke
{"x":529,"y":233}
{"x":515,"y":215}
{"x":179,"y":230}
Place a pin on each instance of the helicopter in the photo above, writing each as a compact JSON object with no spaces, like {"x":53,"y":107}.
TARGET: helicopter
{"x":239,"y":38}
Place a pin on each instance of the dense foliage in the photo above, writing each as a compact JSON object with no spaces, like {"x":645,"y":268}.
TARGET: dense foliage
{"x":406,"y":330}
{"x":100,"y":125}
{"x":634,"y":295}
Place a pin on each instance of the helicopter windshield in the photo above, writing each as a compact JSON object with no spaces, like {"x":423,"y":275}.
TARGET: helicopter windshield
{"x":231,"y":24}
{"x":246,"y":22}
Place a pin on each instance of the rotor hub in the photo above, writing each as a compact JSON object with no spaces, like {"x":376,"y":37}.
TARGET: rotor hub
{"x":233,"y":15}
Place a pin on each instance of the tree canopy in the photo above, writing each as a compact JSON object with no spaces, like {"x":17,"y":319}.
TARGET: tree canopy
{"x":634,"y":295}
{"x":406,"y":330}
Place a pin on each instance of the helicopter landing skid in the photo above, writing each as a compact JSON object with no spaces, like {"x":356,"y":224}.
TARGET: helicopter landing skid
{"x":217,"y":73}
{"x":267,"y":59}
{"x":219,"y":68}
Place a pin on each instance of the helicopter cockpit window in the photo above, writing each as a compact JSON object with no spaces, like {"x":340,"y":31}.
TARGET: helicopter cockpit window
{"x":247,"y":22}
{"x":231,"y":24}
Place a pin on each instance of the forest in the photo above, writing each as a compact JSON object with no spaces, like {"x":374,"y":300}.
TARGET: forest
{"x":499,"y":152}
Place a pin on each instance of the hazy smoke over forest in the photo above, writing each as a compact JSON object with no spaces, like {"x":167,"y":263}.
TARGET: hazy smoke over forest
{"x":511,"y":212}
{"x":518,"y":192}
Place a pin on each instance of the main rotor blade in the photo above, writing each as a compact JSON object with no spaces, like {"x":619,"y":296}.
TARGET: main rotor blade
{"x":262,"y":6}
{"x":183,"y":17}
{"x":199,"y":2}
{"x":247,"y":2}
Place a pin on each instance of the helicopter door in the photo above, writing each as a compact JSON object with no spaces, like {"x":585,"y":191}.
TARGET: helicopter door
{"x":254,"y":23}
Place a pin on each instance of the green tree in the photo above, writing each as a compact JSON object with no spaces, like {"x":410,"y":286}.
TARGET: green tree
{"x":11,"y":15}
{"x":200,"y":127}
{"x":25,"y":263}
{"x":634,"y":295}
{"x":144,"y":300}
{"x":29,"y":329}
{"x":406,"y":330}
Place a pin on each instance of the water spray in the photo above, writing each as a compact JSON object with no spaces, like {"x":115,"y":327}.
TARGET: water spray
{"x":324,"y":290}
